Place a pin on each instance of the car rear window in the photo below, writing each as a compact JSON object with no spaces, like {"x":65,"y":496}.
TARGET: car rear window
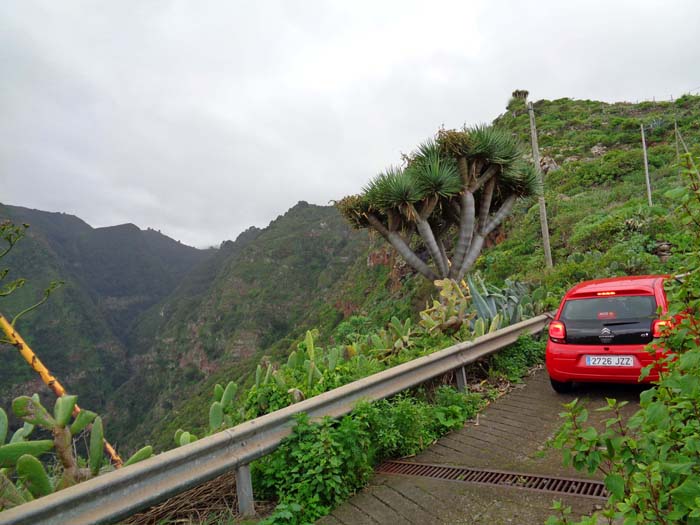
{"x":610,"y":308}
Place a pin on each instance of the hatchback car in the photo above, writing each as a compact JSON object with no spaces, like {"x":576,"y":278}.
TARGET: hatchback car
{"x":601,"y":329}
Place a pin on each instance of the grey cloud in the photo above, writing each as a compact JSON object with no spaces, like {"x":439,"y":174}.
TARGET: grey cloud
{"x":203,"y":119}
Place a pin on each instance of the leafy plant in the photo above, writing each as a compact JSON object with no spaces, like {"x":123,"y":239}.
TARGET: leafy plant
{"x":353,"y":329}
{"x":317,"y":467}
{"x":453,"y":408}
{"x":320,"y":464}
{"x":513,"y":362}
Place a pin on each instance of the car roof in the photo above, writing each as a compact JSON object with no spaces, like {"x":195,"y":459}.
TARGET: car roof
{"x":639,"y":283}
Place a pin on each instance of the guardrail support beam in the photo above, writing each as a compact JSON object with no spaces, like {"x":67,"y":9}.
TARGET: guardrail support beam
{"x":244,"y":490}
{"x":461,"y":375}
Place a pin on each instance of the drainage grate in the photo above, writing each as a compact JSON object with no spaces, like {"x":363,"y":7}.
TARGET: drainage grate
{"x":574,"y":487}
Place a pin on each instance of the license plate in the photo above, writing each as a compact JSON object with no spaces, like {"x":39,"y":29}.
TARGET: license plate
{"x":609,"y":360}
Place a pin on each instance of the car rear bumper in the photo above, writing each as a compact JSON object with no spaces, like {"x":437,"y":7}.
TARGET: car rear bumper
{"x":567,"y":362}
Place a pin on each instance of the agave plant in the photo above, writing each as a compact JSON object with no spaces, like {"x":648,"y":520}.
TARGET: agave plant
{"x":480,"y":307}
{"x":500,"y":306}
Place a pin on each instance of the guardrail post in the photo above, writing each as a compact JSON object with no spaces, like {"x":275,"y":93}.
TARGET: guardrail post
{"x":244,"y":490}
{"x":461,"y":374}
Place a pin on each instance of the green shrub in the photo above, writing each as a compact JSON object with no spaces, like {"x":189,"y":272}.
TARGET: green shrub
{"x":453,"y":408}
{"x":513,"y":362}
{"x":353,"y":329}
{"x":316,"y":468}
{"x":323,"y":463}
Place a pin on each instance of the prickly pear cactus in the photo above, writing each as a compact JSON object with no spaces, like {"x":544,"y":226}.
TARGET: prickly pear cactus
{"x":309,"y":370}
{"x":223,"y":411}
{"x":23,"y":476}
{"x":451,"y":312}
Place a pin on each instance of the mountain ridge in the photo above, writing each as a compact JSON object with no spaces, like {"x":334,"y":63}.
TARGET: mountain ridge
{"x":80,"y":332}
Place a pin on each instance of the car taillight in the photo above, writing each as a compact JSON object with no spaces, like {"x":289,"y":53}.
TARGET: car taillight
{"x":659,"y":326}
{"x":557,"y":332}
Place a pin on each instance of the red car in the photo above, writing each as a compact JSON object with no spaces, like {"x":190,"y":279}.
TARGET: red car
{"x":601,"y":329}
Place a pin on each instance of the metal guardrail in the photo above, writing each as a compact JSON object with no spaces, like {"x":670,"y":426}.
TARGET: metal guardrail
{"x":121,"y":493}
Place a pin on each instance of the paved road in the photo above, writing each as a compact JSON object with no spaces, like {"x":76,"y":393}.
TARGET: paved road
{"x":509,"y":435}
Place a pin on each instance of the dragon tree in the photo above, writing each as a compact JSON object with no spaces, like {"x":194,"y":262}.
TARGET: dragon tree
{"x":452,"y":192}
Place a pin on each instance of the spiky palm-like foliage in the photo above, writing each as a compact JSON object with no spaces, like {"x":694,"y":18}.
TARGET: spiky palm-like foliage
{"x":521,"y":94}
{"x":454,"y":191}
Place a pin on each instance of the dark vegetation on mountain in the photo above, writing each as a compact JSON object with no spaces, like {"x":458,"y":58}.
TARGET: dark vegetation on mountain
{"x":256,"y":297}
{"x":151,"y":343}
{"x":111,"y":275}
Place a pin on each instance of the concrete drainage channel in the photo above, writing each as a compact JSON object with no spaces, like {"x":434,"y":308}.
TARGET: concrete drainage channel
{"x":551,"y":484}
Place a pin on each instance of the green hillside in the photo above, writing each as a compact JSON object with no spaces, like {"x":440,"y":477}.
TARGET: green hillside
{"x":128,"y":270}
{"x":111,"y":275}
{"x":256,"y":297}
{"x":68,"y":333}
{"x":599,"y":218}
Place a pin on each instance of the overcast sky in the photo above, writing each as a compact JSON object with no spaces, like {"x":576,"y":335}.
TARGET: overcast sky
{"x":203,"y":118}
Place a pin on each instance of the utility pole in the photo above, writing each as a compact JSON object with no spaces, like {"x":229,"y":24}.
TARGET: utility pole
{"x":543,"y":205}
{"x":675,"y":134}
{"x":685,"y":148}
{"x":678,"y":152}
{"x":646,"y":165}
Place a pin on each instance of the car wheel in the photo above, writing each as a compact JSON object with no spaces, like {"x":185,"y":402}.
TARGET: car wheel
{"x":561,"y":387}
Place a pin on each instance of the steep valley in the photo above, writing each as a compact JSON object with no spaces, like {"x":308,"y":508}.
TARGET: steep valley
{"x":111,"y":277}
{"x":144,"y":326}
